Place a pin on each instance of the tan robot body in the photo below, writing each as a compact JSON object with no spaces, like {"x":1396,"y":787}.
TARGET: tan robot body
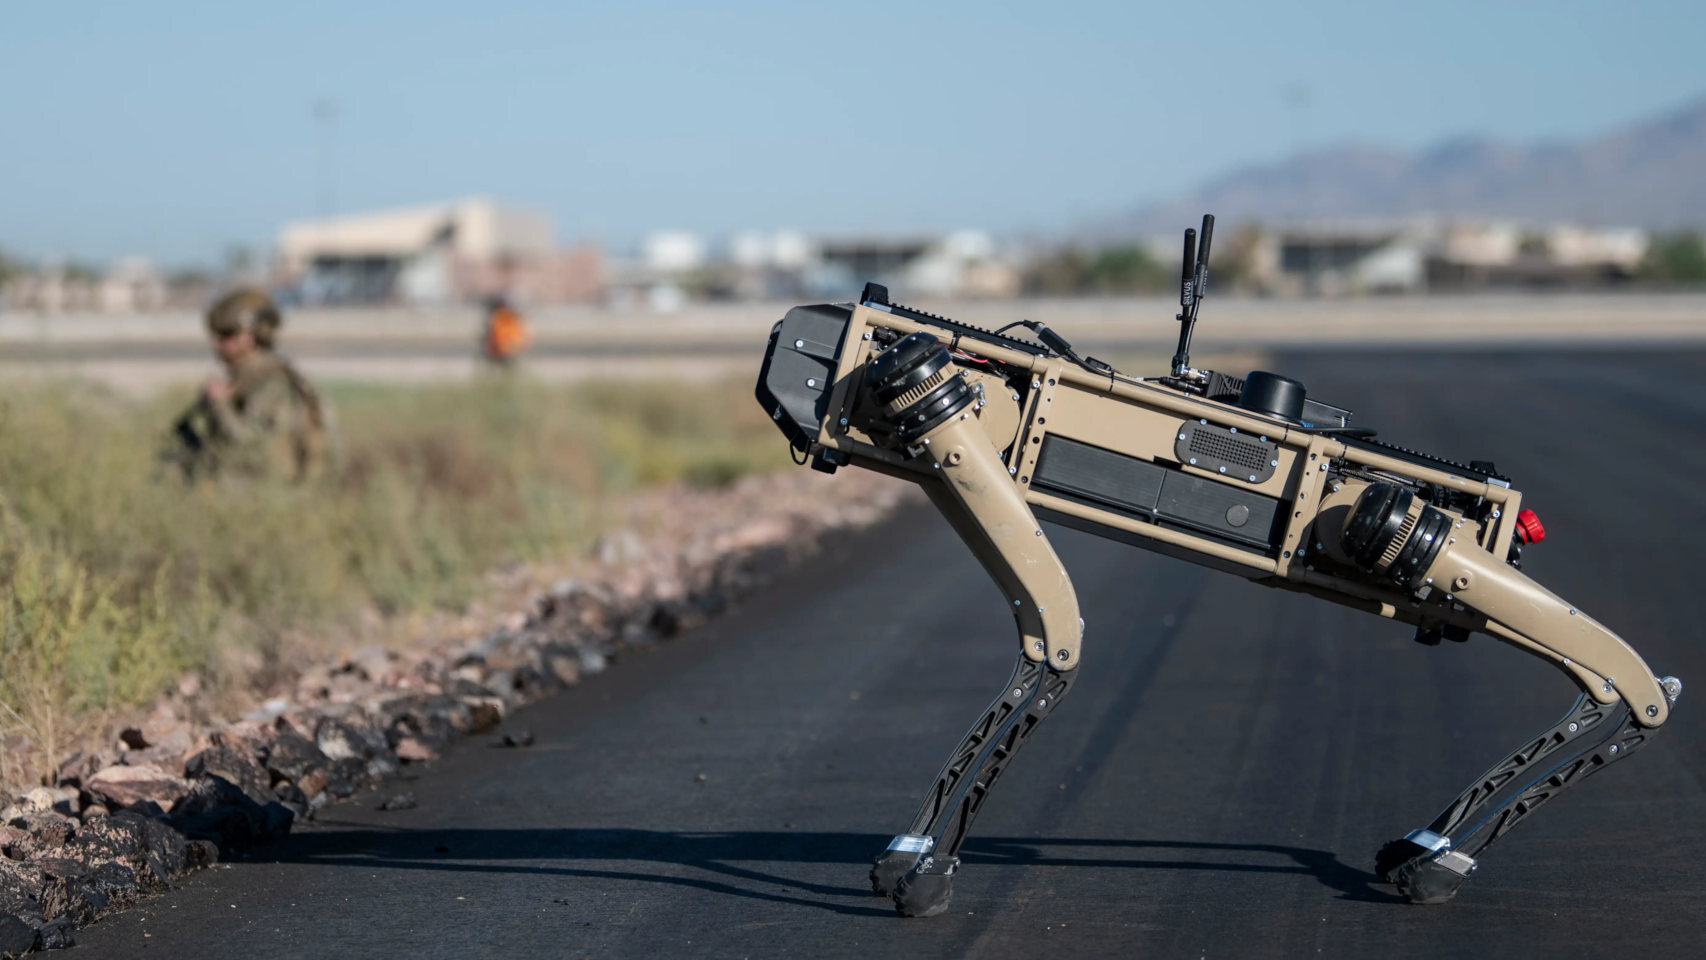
{"x":1262,"y":483}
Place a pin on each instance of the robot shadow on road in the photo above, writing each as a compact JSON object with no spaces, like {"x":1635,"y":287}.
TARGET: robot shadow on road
{"x":725,"y":853}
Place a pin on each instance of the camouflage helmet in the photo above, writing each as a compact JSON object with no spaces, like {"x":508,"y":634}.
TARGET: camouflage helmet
{"x":246,"y":308}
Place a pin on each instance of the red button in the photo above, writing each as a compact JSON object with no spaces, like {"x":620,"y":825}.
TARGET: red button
{"x":1528,"y":528}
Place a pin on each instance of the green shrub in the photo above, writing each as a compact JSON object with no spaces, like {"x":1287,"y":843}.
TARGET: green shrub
{"x":115,"y":577}
{"x":1675,"y":258}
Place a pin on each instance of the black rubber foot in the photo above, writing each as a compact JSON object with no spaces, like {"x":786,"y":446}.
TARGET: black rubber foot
{"x":1423,"y":881}
{"x":889,"y":868}
{"x":1394,"y":855}
{"x":923,"y":894}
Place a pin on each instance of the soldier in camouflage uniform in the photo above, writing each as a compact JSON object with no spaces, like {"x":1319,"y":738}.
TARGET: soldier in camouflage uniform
{"x":263,"y":418}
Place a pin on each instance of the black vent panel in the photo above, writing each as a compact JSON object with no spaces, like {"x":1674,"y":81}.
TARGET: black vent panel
{"x":1225,"y":450}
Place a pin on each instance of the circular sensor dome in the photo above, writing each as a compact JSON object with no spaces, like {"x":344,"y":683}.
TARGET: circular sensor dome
{"x":1272,"y":394}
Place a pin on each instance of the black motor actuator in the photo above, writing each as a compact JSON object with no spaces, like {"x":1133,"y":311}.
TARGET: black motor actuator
{"x":1382,"y":534}
{"x":914,"y":382}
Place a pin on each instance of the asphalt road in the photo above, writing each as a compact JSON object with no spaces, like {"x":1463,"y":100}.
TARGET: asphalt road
{"x":1215,"y":786}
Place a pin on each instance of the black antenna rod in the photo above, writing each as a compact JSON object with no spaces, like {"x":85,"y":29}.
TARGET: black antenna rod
{"x":1187,"y":299}
{"x":1188,"y":273}
{"x":1193,"y":283}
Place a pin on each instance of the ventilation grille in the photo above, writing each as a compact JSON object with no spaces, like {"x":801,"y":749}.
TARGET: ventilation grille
{"x":1223,"y":450}
{"x":1229,"y":450}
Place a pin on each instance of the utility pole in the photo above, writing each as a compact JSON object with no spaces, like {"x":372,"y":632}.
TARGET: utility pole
{"x":325,"y":112}
{"x":1297,"y":98}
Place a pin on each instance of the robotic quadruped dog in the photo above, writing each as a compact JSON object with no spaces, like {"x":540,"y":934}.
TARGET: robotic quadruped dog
{"x":1249,"y":476}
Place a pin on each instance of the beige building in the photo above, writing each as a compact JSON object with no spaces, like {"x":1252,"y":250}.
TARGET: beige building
{"x":128,"y":285}
{"x":457,"y":251}
{"x":1432,"y":254}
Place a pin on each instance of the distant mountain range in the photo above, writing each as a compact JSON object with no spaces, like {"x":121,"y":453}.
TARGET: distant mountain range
{"x":1649,"y":174}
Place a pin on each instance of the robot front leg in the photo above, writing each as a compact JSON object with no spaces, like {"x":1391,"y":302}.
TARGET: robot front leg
{"x":936,"y":423}
{"x":918,"y":866}
{"x":920,"y":839}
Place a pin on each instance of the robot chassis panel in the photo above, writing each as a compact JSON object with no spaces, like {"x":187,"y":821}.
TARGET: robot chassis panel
{"x":1245,"y":476}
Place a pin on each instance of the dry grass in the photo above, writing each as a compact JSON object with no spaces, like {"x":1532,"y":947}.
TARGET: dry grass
{"x":116,"y":579}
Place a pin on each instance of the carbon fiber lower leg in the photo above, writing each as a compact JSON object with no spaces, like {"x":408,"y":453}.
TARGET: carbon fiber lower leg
{"x":1429,"y":865}
{"x":917,"y":867}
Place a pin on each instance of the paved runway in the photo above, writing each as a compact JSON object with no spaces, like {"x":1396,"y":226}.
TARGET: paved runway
{"x":147,"y":352}
{"x":1216,"y":785}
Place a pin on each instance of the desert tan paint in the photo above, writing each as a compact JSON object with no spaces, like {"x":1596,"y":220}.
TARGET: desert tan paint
{"x":1517,"y":610}
{"x":1490,"y":586}
{"x":999,"y":412}
{"x":989,"y":506}
{"x":1007,"y":539}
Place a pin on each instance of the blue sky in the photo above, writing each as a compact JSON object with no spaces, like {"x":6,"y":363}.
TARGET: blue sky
{"x":174,"y":129}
